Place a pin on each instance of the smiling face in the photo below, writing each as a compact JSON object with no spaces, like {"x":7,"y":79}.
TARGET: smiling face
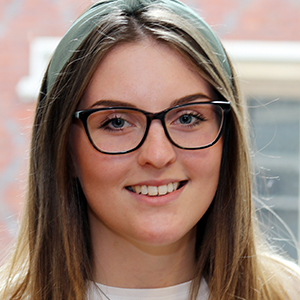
{"x":156,"y":194}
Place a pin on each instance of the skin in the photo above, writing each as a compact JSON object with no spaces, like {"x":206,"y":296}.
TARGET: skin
{"x":141,"y":241}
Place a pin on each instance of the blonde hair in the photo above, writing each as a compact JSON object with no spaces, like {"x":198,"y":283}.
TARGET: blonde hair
{"x":52,"y":258}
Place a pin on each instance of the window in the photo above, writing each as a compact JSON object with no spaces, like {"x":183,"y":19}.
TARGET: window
{"x":41,"y":50}
{"x":270,"y":75}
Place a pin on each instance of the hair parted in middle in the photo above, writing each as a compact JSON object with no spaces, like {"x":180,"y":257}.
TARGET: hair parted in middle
{"x":56,"y":218}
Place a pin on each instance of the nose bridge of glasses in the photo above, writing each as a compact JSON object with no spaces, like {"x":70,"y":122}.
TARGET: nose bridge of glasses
{"x":156,"y":116}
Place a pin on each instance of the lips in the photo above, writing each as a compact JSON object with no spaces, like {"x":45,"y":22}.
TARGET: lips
{"x":151,"y":190}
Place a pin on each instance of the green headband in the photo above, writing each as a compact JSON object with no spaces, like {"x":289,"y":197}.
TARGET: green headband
{"x":79,"y":31}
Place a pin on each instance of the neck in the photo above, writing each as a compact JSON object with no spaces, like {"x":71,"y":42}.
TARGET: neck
{"x":121,"y":262}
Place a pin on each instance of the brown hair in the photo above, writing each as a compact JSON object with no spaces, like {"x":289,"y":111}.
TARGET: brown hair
{"x":53,"y":258}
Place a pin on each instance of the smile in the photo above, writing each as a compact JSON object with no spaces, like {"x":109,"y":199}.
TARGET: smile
{"x":156,"y":190}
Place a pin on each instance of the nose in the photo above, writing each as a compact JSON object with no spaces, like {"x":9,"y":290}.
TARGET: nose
{"x":157,"y":150}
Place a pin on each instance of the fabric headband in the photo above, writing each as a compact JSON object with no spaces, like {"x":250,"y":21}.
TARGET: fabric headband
{"x":82,"y":27}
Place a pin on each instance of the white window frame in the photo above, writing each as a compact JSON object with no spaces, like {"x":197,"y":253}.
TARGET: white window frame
{"x":270,"y":69}
{"x":41,"y":50}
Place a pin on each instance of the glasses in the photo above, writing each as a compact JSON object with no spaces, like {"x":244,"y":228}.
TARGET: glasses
{"x":120,"y":130}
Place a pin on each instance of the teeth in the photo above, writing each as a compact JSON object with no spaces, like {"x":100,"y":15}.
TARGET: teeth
{"x":152,"y":190}
{"x":175,"y":186}
{"x":137,"y":189}
{"x":162,"y":189}
{"x":144,"y":190}
{"x":155,"y":190}
{"x":170,"y":187}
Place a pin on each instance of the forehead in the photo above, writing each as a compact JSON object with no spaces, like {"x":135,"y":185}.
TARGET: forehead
{"x":146,"y":74}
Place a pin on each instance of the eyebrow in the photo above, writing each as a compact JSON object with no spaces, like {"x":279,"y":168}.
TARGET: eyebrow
{"x":182,"y":100}
{"x":190,"y":98}
{"x":109,"y":103}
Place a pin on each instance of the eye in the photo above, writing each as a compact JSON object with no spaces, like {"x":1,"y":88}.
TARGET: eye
{"x":186,"y":119}
{"x":114,"y":123}
{"x":117,"y":123}
{"x":191,"y":119}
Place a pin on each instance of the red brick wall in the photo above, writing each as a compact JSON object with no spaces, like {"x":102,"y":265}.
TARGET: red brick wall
{"x":22,"y":21}
{"x":252,"y":19}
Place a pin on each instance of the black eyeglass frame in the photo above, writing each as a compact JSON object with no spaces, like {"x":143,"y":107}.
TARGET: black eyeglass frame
{"x":83,"y":115}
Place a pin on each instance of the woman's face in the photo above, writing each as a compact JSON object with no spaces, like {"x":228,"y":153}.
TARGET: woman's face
{"x":148,"y":76}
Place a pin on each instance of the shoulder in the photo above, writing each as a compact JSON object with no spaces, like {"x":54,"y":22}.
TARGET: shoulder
{"x":285,"y":273}
{"x":289,"y":267}
{"x":291,"y":278}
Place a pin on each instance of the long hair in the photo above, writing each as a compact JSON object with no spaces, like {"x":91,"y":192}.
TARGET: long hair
{"x":52,"y":258}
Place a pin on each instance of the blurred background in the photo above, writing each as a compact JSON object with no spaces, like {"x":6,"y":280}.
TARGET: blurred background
{"x":261,"y":36}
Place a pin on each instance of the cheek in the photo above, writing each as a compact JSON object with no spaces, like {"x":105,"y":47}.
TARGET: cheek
{"x":205,"y":163}
{"x":207,"y":171}
{"x":97,"y":172}
{"x":203,"y":170}
{"x":86,"y":159}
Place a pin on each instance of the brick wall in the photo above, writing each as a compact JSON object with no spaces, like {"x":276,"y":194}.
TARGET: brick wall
{"x":252,"y":19}
{"x":22,"y":21}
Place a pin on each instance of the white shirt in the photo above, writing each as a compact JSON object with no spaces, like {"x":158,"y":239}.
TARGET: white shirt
{"x":177,"y":292}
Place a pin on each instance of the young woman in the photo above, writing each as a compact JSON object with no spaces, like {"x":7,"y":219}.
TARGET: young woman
{"x":139,"y":182}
